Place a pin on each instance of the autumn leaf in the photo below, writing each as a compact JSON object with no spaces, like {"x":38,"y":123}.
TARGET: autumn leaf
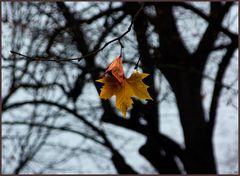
{"x":116,"y":69}
{"x":124,"y":91}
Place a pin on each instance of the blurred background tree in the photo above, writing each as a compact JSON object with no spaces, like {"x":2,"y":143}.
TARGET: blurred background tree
{"x":55,"y":122}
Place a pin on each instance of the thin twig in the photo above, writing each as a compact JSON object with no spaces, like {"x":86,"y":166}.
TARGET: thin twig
{"x":136,"y":66}
{"x":60,"y":128}
{"x":91,"y":53}
{"x":37,"y":58}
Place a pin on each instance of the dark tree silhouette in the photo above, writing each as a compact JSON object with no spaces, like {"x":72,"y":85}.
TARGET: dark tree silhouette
{"x":46,"y":37}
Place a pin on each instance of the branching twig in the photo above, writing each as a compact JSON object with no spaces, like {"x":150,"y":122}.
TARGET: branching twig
{"x":207,"y":18}
{"x":218,"y":87}
{"x":91,"y":53}
{"x":60,"y":128}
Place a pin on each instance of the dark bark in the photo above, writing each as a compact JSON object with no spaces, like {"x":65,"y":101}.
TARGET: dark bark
{"x":218,"y":87}
{"x":120,"y":164}
{"x":206,"y":43}
{"x":186,"y":85}
{"x":152,"y":150}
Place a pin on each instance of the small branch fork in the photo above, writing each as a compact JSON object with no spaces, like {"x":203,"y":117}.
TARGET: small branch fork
{"x":91,"y":53}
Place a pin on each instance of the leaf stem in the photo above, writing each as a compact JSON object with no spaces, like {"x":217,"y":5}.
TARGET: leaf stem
{"x":137,"y":64}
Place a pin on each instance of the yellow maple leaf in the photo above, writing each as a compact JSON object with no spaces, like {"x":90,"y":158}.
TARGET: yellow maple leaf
{"x":124,"y":91}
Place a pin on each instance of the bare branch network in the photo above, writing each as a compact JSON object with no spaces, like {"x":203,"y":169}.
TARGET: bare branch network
{"x":91,"y":53}
{"x":45,"y":103}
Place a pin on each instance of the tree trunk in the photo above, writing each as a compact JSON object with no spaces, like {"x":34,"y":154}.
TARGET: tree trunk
{"x":199,"y":149}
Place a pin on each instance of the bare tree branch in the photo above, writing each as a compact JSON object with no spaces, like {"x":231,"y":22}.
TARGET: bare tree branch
{"x":51,"y":127}
{"x":217,"y":87}
{"x":206,"y":17}
{"x":89,"y":54}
